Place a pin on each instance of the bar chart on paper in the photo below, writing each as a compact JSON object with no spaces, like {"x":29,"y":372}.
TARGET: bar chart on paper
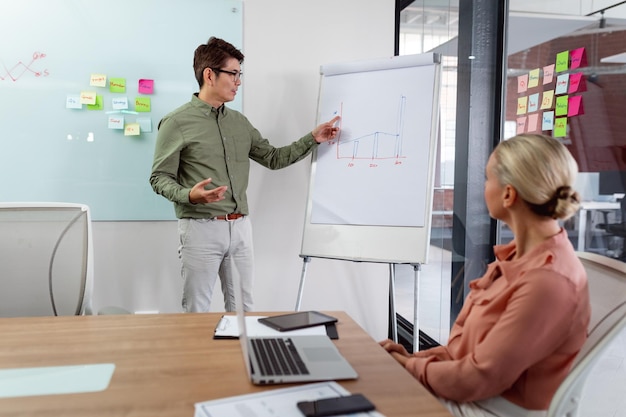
{"x":377,"y":163}
{"x":376,"y":145}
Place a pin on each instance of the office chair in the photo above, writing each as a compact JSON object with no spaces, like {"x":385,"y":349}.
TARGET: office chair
{"x":617,"y":229}
{"x":46,"y":260}
{"x":607,"y":288}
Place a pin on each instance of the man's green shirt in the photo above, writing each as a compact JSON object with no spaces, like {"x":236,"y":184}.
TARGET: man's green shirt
{"x":197,"y":141}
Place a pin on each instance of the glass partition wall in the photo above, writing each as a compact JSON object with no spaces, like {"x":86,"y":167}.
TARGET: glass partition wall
{"x":592,"y":127}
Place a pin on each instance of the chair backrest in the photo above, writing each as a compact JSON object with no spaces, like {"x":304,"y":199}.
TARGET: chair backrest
{"x":46,"y":259}
{"x":607,"y":289}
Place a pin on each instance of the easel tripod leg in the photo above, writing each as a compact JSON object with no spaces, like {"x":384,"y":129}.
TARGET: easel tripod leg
{"x":305,"y":261}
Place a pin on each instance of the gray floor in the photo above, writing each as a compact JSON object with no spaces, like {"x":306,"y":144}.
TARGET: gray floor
{"x":605,"y":391}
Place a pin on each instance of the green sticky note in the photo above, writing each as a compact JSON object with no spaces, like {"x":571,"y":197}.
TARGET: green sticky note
{"x":561,"y":106}
{"x":99,"y":105}
{"x":562,"y":61}
{"x":117,"y":85}
{"x":560,"y":127}
{"x":142,"y":104}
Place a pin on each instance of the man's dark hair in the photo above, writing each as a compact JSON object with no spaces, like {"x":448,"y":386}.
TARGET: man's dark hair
{"x":213,"y":54}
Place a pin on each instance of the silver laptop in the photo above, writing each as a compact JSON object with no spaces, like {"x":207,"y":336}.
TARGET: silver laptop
{"x":286,"y":359}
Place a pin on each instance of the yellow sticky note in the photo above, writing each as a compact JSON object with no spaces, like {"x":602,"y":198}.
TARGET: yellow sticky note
{"x":132,"y":129}
{"x":533,"y":78}
{"x":547,"y":99}
{"x":522,"y":105}
{"x":98,"y":80}
{"x":88,"y":97}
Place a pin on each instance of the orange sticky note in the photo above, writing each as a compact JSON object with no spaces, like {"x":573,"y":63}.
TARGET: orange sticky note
{"x":575,"y":106}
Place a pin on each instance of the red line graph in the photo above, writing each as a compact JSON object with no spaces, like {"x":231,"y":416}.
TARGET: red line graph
{"x":21,"y":69}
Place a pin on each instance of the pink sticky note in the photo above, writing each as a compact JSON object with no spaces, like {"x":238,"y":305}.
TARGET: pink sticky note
{"x":532,"y":122}
{"x":577,"y":83}
{"x":521,"y":125}
{"x":578,"y":58}
{"x":548,"y":74}
{"x":146,"y":86}
{"x":575,"y":106}
{"x":522,"y":83}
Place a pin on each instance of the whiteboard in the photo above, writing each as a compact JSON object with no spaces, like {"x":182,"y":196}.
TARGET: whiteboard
{"x":55,"y":51}
{"x":370,"y":194}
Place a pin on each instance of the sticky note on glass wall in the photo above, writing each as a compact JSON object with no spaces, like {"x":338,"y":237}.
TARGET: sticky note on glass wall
{"x":98,"y":105}
{"x":117,"y":85}
{"x":532,"y":122}
{"x":88,"y":97}
{"x":98,"y":80}
{"x":562,"y":81}
{"x":562,"y":61}
{"x":547,"y":99}
{"x":578,"y":58}
{"x":116,"y":122}
{"x":142,"y":104}
{"x":548,"y":74}
{"x":145,"y":123}
{"x":522,"y":105}
{"x":533,"y":102}
{"x":520,"y":125}
{"x":561,"y":106}
{"x":132,"y":129}
{"x":533,"y":78}
{"x":146,"y":86}
{"x":577,"y":83}
{"x":119,"y":103}
{"x":522,"y":83}
{"x":547,"y":120}
{"x":575,"y":106}
{"x":72,"y":101}
{"x":560,"y":127}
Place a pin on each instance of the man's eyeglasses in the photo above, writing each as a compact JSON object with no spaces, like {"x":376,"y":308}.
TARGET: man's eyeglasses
{"x":236,"y":74}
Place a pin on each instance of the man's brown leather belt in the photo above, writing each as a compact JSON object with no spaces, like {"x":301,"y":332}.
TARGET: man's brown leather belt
{"x":229,"y":217}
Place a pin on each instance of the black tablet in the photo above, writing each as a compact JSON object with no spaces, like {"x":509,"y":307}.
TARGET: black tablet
{"x":297,"y":320}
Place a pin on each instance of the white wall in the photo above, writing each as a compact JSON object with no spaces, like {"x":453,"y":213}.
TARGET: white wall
{"x":285,"y":42}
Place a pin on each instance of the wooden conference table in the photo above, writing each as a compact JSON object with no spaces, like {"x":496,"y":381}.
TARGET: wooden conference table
{"x":165,"y":363}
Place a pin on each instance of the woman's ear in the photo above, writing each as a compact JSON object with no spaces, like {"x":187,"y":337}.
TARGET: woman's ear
{"x":509,"y":195}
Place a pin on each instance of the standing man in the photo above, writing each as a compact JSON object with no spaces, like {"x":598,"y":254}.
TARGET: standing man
{"x":202,"y":163}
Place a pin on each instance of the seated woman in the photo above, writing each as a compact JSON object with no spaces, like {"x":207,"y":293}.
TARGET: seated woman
{"x":525,"y":320}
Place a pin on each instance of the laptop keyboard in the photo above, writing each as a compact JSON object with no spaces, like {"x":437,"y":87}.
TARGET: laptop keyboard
{"x":278,"y":356}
